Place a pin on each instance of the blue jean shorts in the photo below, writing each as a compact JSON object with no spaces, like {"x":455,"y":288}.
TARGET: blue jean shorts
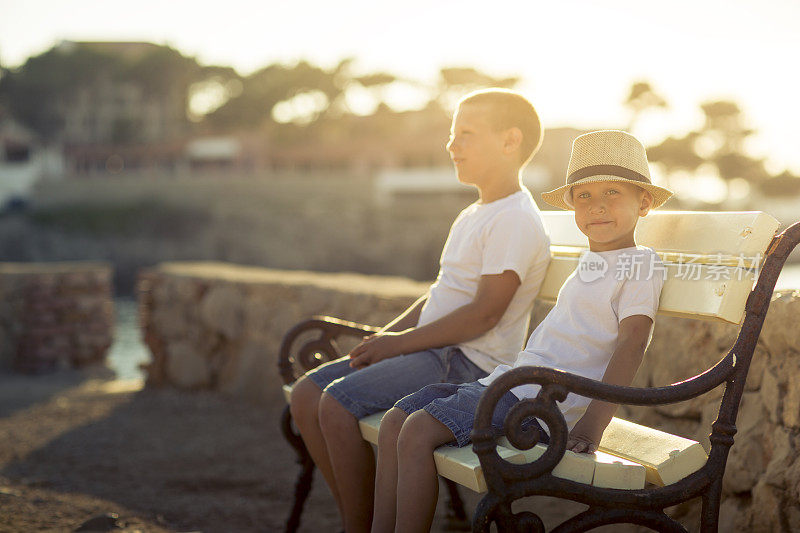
{"x":377,"y":387}
{"x":454,"y":405}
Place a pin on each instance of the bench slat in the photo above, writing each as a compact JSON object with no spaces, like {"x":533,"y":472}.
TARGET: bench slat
{"x":667,"y":458}
{"x":457,"y":464}
{"x":734,"y":232}
{"x":600,"y":469}
{"x":463,"y":466}
{"x":614,"y":472}
{"x":287,"y":392}
{"x":722,"y":297}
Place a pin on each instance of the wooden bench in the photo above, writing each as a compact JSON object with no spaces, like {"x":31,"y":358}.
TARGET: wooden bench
{"x":712,"y":260}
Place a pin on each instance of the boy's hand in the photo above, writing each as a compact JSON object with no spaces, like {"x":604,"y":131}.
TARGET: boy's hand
{"x":584,"y":437}
{"x":580,"y":444}
{"x":376,"y":347}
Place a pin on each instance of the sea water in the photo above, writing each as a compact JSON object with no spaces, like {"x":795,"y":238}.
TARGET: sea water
{"x":128,"y":350}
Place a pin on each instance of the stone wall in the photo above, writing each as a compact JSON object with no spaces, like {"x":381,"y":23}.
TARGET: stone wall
{"x":54,"y":315}
{"x":220,"y":326}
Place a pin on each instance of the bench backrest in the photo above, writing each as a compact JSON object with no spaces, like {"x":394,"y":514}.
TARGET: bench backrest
{"x":712,"y":258}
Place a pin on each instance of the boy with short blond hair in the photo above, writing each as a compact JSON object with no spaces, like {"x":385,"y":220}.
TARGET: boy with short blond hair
{"x":473,"y":318}
{"x":599,"y":328}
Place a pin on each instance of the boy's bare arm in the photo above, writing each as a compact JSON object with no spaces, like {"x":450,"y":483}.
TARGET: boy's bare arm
{"x":408,"y":318}
{"x":633,"y":334}
{"x":405,"y":320}
{"x":467,"y":322}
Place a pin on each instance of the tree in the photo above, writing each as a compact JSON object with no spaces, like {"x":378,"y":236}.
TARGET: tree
{"x":36,"y":92}
{"x":377,"y":83}
{"x":267,"y":87}
{"x":724,"y":128}
{"x":39,"y":91}
{"x":785,"y":184}
{"x":676,"y":153}
{"x":641,"y":98}
{"x":718,"y":142}
{"x":454,"y":82}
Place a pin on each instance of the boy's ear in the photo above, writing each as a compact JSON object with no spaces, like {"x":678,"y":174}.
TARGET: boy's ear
{"x":645,"y":203}
{"x":512,"y":140}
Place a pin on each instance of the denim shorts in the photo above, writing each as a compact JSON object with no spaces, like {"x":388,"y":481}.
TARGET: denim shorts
{"x":454,"y":405}
{"x":377,"y":387}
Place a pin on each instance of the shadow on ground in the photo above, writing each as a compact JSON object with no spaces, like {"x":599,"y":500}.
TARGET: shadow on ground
{"x":20,"y":391}
{"x":174,"y":460}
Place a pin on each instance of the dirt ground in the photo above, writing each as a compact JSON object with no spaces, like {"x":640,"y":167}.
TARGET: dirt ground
{"x":75,"y":445}
{"x":78,"y":444}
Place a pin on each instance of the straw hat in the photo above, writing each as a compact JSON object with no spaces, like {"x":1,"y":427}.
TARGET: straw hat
{"x":606,"y":155}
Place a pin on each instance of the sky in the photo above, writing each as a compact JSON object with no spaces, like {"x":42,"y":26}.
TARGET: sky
{"x":577,"y":58}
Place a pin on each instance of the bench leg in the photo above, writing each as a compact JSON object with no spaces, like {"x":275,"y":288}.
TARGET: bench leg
{"x":456,"y":517}
{"x":303,"y":484}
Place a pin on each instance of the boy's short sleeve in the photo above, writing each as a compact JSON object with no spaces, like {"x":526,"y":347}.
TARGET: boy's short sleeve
{"x":512,"y":241}
{"x":640,"y":293}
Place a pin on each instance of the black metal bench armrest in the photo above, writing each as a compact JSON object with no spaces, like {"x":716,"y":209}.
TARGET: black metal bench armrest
{"x":318,"y":350}
{"x":555,"y":386}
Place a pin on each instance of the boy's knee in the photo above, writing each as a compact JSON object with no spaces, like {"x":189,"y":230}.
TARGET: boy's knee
{"x":304,"y":400}
{"x":332,"y":415}
{"x":391,"y":424}
{"x":419,"y":434}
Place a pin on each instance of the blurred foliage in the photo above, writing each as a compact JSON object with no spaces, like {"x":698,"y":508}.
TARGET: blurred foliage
{"x":454,"y":82}
{"x":37,"y":91}
{"x":785,"y":184}
{"x":677,"y":153}
{"x":641,"y":98}
{"x":719,"y":142}
{"x":265,"y":88}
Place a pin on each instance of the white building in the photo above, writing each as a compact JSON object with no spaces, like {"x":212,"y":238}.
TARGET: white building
{"x":23,"y":162}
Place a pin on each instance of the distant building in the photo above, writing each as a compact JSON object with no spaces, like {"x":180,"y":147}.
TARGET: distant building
{"x":118,"y":112}
{"x":86,"y":159}
{"x":112,"y":125}
{"x":23,"y":162}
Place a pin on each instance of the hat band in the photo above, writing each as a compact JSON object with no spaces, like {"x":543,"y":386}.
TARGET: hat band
{"x":606,"y":170}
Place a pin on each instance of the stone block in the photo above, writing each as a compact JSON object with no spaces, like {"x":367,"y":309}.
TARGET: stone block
{"x":758,"y":364}
{"x":747,"y":457}
{"x":169,"y":321}
{"x":771,"y":393}
{"x":54,"y":314}
{"x":732,"y":515}
{"x":221,"y":309}
{"x":765,"y":512}
{"x":185,"y":368}
{"x":780,"y":334}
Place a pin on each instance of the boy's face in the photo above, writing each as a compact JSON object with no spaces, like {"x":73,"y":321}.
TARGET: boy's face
{"x":607,"y":212}
{"x":475,"y":146}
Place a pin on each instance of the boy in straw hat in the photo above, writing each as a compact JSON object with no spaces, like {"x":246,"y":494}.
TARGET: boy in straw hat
{"x":599,"y":328}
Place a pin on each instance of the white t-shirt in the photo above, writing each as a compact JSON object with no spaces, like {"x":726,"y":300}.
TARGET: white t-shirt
{"x":507,"y":234}
{"x":579,"y":335}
